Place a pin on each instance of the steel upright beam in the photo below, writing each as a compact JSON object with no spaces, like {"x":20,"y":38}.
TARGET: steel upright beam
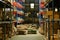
{"x":10,"y":22}
{"x":48,"y":23}
{"x":53,"y":19}
{"x":4,"y":27}
{"x":48,"y":27}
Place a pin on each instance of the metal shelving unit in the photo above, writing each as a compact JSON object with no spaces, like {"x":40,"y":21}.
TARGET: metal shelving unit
{"x":5,"y":23}
{"x":53,"y":4}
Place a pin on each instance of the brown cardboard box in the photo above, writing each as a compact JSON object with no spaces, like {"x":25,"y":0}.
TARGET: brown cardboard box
{"x":6,"y":36}
{"x":56,"y":15}
{"x":22,"y":27}
{"x":55,"y":37}
{"x":51,"y":37}
{"x":49,"y":13}
{"x":41,"y":30}
{"x":55,"y":27}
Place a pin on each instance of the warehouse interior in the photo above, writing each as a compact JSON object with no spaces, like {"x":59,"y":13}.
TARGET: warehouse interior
{"x":29,"y":20}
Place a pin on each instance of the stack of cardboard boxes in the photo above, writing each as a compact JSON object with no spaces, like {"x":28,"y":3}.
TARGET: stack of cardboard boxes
{"x":56,"y":24}
{"x":3,"y":26}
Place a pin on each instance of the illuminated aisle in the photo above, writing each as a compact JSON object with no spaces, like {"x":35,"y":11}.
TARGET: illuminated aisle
{"x":28,"y":37}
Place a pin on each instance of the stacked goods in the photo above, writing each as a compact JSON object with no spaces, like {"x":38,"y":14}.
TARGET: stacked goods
{"x":58,"y":34}
{"x":55,"y":37}
{"x":5,"y":26}
{"x":5,"y":20}
{"x":6,"y":31}
{"x":1,"y":32}
{"x":41,"y":30}
{"x":56,"y":24}
{"x":56,"y":15}
{"x":50,"y":13}
{"x":14,"y":30}
{"x":32,"y":29}
{"x":22,"y":29}
{"x":26,"y":28}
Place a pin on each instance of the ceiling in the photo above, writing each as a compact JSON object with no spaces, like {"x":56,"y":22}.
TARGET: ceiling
{"x":56,"y":4}
{"x":27,"y":5}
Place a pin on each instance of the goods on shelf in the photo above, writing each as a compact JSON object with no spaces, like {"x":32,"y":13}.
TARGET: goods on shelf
{"x":6,"y":32}
{"x":20,"y":20}
{"x":22,"y":29}
{"x":41,"y":30}
{"x":5,"y":20}
{"x":55,"y":37}
{"x":58,"y":34}
{"x":50,"y":25}
{"x":14,"y":30}
{"x":32,"y":29}
{"x":26,"y":29}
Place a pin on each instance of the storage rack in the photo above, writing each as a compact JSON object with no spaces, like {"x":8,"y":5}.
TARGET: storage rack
{"x":6,"y":25}
{"x":52,"y":5}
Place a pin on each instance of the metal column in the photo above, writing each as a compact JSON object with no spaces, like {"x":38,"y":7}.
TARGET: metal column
{"x":48,"y":28}
{"x":53,"y":19}
{"x":4,"y":27}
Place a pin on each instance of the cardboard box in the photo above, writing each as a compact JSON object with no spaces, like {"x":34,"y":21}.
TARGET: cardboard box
{"x":49,"y":13}
{"x":55,"y":37}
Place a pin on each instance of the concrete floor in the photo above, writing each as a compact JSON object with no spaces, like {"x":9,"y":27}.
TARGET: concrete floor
{"x":28,"y":37}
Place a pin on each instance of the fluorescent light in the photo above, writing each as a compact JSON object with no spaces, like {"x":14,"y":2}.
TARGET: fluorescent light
{"x":32,"y":5}
{"x":56,"y":9}
{"x":7,"y":9}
